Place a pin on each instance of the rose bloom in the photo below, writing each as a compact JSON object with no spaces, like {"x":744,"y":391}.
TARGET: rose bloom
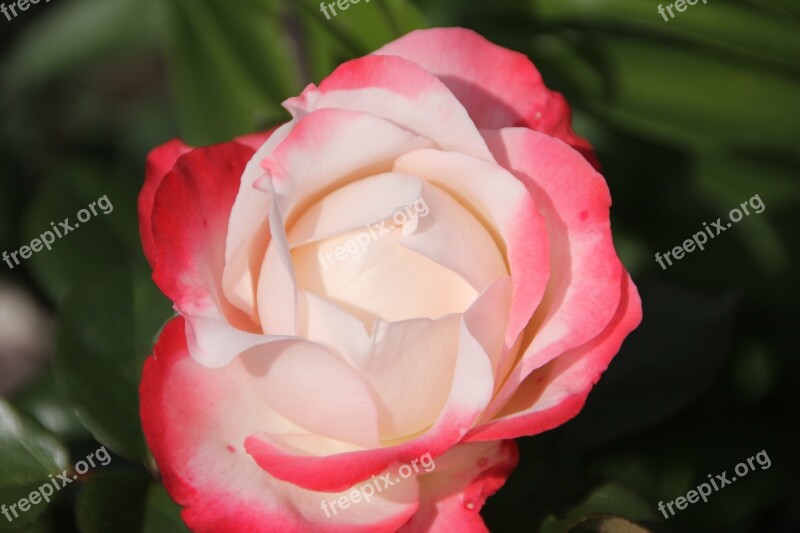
{"x":309,"y":361}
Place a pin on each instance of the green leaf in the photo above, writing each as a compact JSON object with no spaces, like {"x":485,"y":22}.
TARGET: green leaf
{"x":69,"y":36}
{"x":701,"y":101}
{"x":106,"y":242}
{"x":162,"y":515}
{"x":107,"y":331}
{"x":610,"y":502}
{"x":29,"y":456}
{"x":717,"y":100}
{"x":362,"y":28}
{"x":323,"y":51}
{"x":44,"y":401}
{"x":109,"y":307}
{"x":404,"y":16}
{"x":613,"y":524}
{"x":230,"y":67}
{"x":127,"y":502}
{"x":779,"y":7}
{"x":731,"y":27}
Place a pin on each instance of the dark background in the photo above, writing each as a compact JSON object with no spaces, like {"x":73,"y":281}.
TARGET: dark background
{"x":690,"y":118}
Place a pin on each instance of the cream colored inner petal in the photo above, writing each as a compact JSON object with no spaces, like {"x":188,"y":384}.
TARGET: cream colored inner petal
{"x":385,"y":267}
{"x":383,"y":280}
{"x":425,"y":259}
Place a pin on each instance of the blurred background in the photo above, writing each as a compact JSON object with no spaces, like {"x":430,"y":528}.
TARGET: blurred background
{"x":690,"y":118}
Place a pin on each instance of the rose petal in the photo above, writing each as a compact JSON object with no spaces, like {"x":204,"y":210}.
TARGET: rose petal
{"x":376,"y":198}
{"x":385,"y":281}
{"x":303,"y":159}
{"x":469,"y":394}
{"x":487,"y":320}
{"x":505,"y":207}
{"x":455,"y":238}
{"x":583,"y":291}
{"x":159,"y":162}
{"x":315,"y":389}
{"x":249,"y":235}
{"x":190,"y":222}
{"x":319,"y":156}
{"x":196,"y":420}
{"x":325,"y":323}
{"x":401,"y":92}
{"x":553,"y":394}
{"x":452,"y":496}
{"x":410,"y":371}
{"x":277,"y":286}
{"x":499,"y":87}
{"x":256,"y":140}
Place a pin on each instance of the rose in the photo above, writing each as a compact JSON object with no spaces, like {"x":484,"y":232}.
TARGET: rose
{"x":285,"y":385}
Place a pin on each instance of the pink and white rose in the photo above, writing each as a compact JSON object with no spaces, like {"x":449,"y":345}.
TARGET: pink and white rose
{"x":287,"y":380}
